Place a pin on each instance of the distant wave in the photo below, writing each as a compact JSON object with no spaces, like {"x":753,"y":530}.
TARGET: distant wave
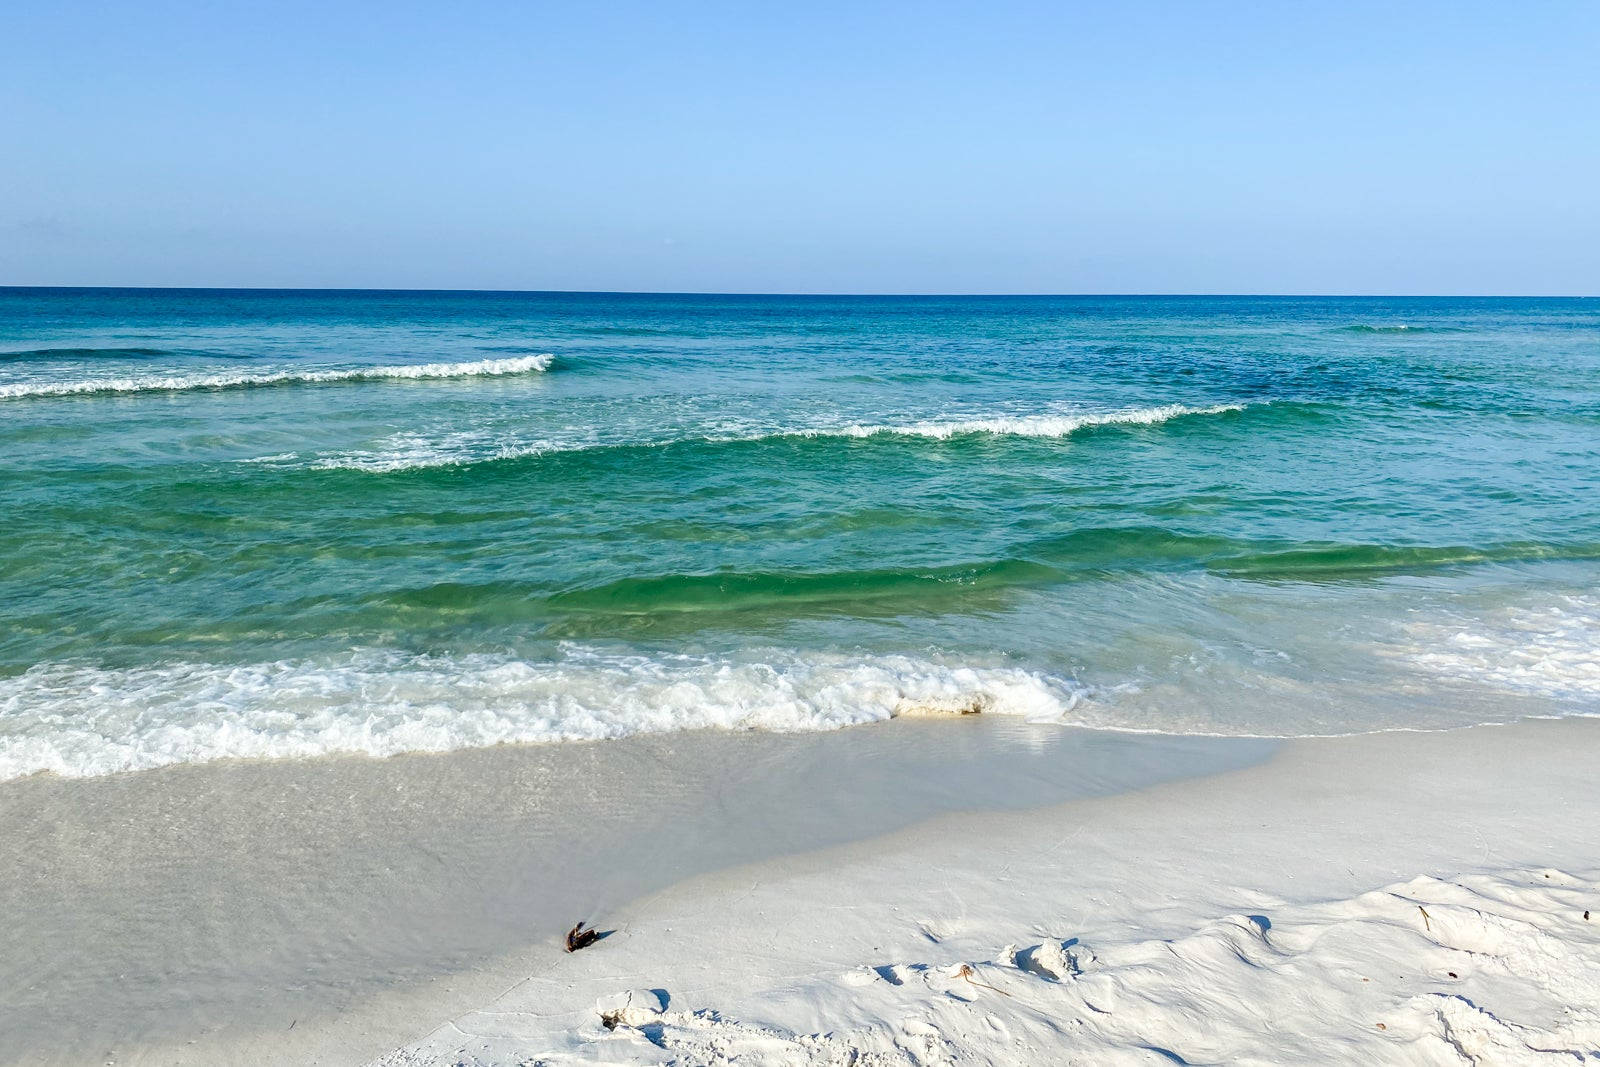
{"x":1019,"y":425}
{"x":1400,"y":328}
{"x":187,"y":382}
{"x":80,"y":720}
{"x":417,"y":451}
{"x":83,"y":353}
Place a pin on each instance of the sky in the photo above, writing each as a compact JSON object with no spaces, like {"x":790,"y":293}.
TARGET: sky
{"x":1001,"y":147}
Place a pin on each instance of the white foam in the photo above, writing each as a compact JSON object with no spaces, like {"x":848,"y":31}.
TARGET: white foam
{"x":180,"y":382}
{"x":1063,"y":425}
{"x":417,"y":450}
{"x":81,"y":720}
{"x":1551,"y":650}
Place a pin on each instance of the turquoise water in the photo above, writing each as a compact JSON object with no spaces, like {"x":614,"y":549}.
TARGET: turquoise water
{"x":276,"y":523}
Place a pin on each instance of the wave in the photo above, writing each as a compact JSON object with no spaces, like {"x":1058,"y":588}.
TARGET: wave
{"x":416,"y":451}
{"x":1144,"y":548}
{"x":84,"y":353}
{"x":1086,"y":553}
{"x":1331,"y":562}
{"x":187,"y":382}
{"x":665,"y":605}
{"x":1020,"y":425}
{"x":1399,"y":328}
{"x":746,"y":590}
{"x":79,"y":720}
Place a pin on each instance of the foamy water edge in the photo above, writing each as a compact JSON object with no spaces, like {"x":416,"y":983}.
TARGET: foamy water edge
{"x":80,"y":721}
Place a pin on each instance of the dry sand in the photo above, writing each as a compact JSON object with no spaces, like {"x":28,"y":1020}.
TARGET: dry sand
{"x":1402,"y":898}
{"x":931,"y":892}
{"x":325,"y":911}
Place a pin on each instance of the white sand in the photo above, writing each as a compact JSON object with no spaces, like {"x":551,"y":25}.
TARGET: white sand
{"x":1399,"y":898}
{"x":323,"y":911}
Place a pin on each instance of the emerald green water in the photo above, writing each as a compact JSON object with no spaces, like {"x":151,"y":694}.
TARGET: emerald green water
{"x":290,"y":523}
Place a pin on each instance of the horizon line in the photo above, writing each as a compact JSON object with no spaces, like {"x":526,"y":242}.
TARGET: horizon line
{"x":822,"y":294}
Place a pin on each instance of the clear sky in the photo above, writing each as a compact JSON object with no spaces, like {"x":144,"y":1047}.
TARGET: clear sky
{"x":804,"y":147}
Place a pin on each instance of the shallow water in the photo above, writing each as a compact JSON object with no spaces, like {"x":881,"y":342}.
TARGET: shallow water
{"x":275,"y":523}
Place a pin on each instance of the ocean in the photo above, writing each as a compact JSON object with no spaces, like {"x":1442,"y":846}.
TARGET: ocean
{"x":296,"y":523}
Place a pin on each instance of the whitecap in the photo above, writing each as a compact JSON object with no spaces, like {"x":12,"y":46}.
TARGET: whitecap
{"x":184,"y":382}
{"x":415,"y":450}
{"x":1063,"y":425}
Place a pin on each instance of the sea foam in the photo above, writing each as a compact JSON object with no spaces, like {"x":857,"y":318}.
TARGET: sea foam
{"x":1550,"y":650}
{"x":78,"y":720}
{"x":419,"y":451}
{"x":416,"y":450}
{"x":1050,"y":425}
{"x":184,"y":382}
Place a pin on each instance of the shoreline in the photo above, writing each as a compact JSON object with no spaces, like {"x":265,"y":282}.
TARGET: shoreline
{"x":313,"y":911}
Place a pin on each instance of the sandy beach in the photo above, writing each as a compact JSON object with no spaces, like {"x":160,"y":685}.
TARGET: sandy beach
{"x":809,"y":899}
{"x":893,"y":680}
{"x":327,"y":910}
{"x":1403,"y":898}
{"x":777,"y":535}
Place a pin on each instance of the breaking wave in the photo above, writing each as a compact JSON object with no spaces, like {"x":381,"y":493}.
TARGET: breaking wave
{"x":80,"y":720}
{"x":418,"y":451}
{"x":212,"y":381}
{"x":1021,"y":425}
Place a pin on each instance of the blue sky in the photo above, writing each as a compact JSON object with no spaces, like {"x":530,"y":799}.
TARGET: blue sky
{"x":817,"y":147}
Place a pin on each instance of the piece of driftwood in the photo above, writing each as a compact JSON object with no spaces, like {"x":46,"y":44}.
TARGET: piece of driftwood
{"x":966,"y":971}
{"x":579,"y":937}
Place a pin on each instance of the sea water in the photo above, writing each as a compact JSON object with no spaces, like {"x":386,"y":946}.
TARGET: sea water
{"x":274,"y":523}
